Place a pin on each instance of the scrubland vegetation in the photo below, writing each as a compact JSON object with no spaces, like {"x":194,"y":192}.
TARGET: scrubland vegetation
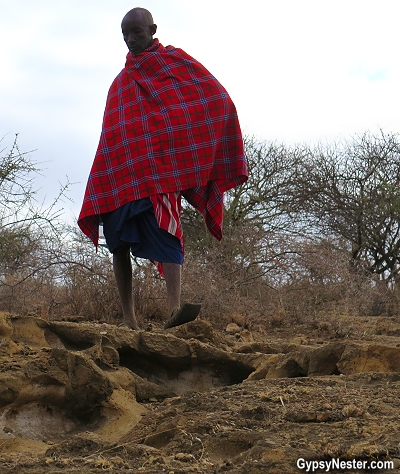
{"x":314,"y":233}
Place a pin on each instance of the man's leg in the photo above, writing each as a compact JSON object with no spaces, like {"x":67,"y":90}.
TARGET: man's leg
{"x":123,"y":274}
{"x":172,"y":274}
{"x":178,"y":314}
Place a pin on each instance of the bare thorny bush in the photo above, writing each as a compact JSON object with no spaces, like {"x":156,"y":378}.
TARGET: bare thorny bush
{"x":29,"y":233}
{"x":284,"y":258}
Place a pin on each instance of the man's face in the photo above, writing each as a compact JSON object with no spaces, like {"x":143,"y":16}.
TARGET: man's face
{"x":137,"y":34}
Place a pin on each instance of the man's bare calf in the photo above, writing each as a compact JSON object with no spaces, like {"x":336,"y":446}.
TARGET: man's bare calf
{"x":123,"y":274}
{"x":122,"y":266}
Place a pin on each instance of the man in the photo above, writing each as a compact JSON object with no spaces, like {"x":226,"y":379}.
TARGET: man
{"x":169,"y":130}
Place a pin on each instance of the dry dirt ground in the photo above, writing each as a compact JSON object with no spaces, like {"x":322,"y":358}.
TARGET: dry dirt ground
{"x":86,"y":398}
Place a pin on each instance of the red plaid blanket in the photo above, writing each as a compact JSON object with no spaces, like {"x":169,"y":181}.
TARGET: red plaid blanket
{"x":168,"y":126}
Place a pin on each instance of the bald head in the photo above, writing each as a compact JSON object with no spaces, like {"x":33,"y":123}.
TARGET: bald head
{"x":138,"y":29}
{"x":140,"y":14}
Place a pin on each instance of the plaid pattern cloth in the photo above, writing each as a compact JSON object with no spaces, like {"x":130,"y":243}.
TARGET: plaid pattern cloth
{"x":169,"y":126}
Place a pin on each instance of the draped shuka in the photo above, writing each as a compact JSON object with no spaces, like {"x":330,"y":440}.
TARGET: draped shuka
{"x":169,"y":126}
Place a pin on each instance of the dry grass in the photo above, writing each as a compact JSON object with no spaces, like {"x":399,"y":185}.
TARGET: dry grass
{"x":312,"y":284}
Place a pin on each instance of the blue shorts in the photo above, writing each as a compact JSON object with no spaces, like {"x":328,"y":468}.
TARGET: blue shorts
{"x":136,"y":226}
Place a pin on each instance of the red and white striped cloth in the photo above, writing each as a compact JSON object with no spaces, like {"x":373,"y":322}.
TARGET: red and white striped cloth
{"x":167,"y":209}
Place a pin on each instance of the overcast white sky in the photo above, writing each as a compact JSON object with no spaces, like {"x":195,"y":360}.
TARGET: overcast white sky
{"x":297,"y":70}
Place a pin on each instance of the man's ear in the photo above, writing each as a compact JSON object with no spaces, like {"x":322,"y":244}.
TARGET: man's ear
{"x":153,"y":29}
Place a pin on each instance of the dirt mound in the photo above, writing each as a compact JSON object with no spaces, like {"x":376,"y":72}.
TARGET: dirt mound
{"x":79,"y":397}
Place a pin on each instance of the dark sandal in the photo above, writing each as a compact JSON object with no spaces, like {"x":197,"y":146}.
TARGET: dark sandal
{"x":185,"y":314}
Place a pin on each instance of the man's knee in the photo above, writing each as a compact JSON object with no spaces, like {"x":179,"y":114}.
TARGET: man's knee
{"x":122,"y":253}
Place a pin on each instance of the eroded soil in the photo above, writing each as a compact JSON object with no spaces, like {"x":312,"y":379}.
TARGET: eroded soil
{"x":84,"y":397}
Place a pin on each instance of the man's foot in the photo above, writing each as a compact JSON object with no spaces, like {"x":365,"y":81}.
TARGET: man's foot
{"x":186,"y":313}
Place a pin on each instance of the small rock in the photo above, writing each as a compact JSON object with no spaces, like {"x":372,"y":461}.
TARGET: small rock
{"x":246,"y":336}
{"x":232,"y":328}
{"x":184,"y":457}
{"x":299,"y":340}
{"x":396,"y":463}
{"x":351,"y":411}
